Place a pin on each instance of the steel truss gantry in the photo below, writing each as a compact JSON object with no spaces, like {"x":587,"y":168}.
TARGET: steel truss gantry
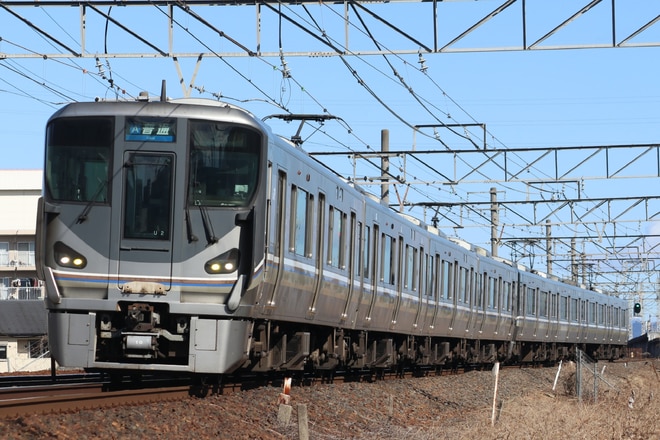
{"x":435,"y":26}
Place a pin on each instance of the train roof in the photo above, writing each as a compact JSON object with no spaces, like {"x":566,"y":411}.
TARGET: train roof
{"x":183,"y":107}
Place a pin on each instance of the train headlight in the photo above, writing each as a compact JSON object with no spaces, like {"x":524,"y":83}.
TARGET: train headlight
{"x":67,"y":257}
{"x":225,"y":263}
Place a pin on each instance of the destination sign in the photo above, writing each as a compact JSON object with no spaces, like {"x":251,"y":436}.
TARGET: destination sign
{"x":150,"y":130}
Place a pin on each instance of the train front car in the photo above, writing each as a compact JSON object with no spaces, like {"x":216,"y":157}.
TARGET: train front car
{"x":147,"y":238}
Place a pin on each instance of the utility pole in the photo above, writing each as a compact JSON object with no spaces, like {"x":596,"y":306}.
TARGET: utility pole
{"x":548,"y":241}
{"x":494,"y":222}
{"x":385,"y":167}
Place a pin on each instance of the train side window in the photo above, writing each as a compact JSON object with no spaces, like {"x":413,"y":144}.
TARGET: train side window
{"x":591,"y":312}
{"x":543,"y":304}
{"x":385,"y":258}
{"x":320,"y":230}
{"x":447,"y":280}
{"x":506,"y":296}
{"x":408,"y":281}
{"x":359,"y":252}
{"x":376,"y":256}
{"x":299,"y":234}
{"x":336,"y":238}
{"x":432,"y":277}
{"x":531,"y":301}
{"x":492,"y":292}
{"x":563,"y":308}
{"x":416,"y":270}
{"x":601,"y":314}
{"x":574,"y":309}
{"x":479,"y":290}
{"x":462,"y":282}
{"x":279,"y":214}
{"x":428,"y":281}
{"x":366,"y":250}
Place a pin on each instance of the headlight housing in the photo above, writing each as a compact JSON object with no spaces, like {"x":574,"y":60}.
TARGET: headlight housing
{"x":224,"y":263}
{"x":67,"y":257}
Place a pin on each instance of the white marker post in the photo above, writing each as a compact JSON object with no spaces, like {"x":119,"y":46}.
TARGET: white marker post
{"x":554,"y":385}
{"x":496,"y":373}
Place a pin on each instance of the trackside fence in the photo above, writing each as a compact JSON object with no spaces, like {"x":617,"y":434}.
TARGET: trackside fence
{"x":588,"y":378}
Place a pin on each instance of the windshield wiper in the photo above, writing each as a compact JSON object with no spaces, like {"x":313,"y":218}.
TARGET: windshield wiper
{"x":191,"y":236}
{"x":83,"y":215}
{"x":208,"y":227}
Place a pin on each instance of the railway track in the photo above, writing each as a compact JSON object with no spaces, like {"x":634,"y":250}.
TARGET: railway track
{"x":22,"y":401}
{"x":24,"y":395}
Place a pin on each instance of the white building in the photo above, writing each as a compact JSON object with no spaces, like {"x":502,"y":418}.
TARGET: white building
{"x":23,"y":317}
{"x":19,"y":192}
{"x":23,"y":340}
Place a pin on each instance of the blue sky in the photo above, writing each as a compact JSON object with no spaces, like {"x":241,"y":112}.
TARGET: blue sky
{"x":538,"y":99}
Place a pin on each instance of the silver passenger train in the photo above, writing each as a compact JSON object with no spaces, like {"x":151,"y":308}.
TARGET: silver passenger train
{"x":183,"y":236}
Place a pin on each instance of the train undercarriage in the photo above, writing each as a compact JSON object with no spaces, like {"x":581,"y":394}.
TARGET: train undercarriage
{"x":279,"y":347}
{"x":141,"y":333}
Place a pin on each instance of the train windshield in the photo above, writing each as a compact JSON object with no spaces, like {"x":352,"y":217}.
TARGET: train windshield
{"x":224,"y":164}
{"x":77,"y":159}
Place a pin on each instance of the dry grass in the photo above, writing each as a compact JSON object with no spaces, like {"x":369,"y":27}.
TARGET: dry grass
{"x":554,"y":415}
{"x":629,"y":411}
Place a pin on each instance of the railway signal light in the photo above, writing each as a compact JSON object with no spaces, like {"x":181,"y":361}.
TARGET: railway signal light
{"x":637,"y":308}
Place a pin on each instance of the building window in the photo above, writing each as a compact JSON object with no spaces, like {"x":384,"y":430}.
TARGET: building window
{"x":37,"y":348}
{"x":25,"y":253}
{"x":3,"y":352}
{"x":4,"y":253}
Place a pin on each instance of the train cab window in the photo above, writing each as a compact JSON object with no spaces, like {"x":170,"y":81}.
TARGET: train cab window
{"x":78,"y":152}
{"x":224,"y":164}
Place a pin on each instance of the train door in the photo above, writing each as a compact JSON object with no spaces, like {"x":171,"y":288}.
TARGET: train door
{"x":320,"y":252}
{"x":277,"y":225}
{"x":398,"y":280}
{"x":480,"y":289}
{"x":375,"y":261}
{"x":350,"y":264}
{"x":434,"y":293}
{"x":145,"y":247}
{"x":518,"y":307}
{"x":423,"y":286}
{"x":455,"y":288}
